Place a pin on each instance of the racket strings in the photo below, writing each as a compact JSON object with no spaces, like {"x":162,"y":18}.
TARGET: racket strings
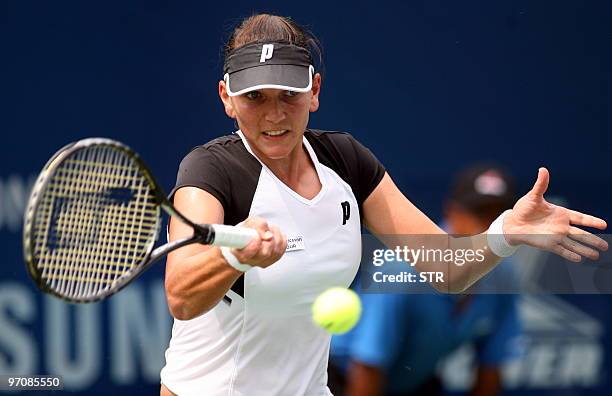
{"x":95,"y":221}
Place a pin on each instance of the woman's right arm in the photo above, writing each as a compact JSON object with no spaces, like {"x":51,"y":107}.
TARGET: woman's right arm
{"x":198,"y":276}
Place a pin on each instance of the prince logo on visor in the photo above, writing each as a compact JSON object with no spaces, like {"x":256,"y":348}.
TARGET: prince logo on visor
{"x":266,"y":52}
{"x":252,"y":67}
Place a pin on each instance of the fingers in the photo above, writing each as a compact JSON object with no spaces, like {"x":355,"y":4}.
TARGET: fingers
{"x":265,"y":250}
{"x":579,"y":249}
{"x":272,"y":247}
{"x":279,"y":240}
{"x":586,"y":220}
{"x":541,"y":184}
{"x":269,"y":240}
{"x":566,"y":254}
{"x":587,"y":238}
{"x":259,"y":224}
{"x":577,"y":244}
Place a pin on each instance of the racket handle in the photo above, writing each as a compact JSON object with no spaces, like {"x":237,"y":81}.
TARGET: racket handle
{"x":230,"y":236}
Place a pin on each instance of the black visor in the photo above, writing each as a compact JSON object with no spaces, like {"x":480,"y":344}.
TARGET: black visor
{"x":268,"y":65}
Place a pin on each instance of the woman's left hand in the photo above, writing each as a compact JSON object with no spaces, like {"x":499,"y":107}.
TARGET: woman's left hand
{"x":538,"y":223}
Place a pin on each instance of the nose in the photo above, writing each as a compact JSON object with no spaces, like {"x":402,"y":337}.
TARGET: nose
{"x":275,"y":112}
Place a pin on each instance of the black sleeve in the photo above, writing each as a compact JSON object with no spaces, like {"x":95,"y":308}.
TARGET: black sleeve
{"x":370,"y":171}
{"x":200,"y":168}
{"x":353,"y":162}
{"x":224,"y":168}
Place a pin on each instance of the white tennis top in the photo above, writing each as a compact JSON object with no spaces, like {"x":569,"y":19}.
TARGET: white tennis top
{"x":260,"y":339}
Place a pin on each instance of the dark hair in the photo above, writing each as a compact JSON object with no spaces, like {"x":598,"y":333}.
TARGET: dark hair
{"x":266,"y":27}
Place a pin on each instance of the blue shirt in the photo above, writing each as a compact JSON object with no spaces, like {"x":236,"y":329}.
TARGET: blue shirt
{"x":406,"y":335}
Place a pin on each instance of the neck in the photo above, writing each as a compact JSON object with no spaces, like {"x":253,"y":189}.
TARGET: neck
{"x":291,"y":168}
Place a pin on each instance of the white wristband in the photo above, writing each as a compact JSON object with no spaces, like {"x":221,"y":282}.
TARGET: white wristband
{"x":233,"y":260}
{"x":496,"y":239}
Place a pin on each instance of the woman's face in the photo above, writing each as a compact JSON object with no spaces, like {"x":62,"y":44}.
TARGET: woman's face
{"x":272,"y":120}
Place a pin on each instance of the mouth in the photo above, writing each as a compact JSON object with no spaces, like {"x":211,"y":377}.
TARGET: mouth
{"x":276,"y":134}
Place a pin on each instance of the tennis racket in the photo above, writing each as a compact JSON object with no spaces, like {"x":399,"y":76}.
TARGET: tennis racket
{"x":93,"y":218}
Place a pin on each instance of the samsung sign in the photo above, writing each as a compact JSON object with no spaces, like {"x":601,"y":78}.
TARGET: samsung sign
{"x":128,"y":334}
{"x":14,"y":193}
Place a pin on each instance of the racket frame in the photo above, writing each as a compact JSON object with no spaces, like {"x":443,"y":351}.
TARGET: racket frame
{"x":202,"y":233}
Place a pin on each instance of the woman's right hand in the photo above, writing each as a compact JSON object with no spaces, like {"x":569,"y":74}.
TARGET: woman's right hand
{"x":265,"y":250}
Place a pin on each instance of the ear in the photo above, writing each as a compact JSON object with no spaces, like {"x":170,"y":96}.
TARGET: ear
{"x":316,"y":89}
{"x":225,"y":98}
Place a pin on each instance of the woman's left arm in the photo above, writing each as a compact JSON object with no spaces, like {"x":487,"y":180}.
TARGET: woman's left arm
{"x":393,"y":218}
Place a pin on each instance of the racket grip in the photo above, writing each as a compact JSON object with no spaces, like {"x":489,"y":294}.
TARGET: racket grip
{"x":230,"y":236}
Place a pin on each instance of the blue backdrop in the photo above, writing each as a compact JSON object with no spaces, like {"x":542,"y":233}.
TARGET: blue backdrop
{"x":429,"y":86}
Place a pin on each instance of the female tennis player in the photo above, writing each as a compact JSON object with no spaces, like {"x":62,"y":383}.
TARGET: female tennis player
{"x":242,"y":317}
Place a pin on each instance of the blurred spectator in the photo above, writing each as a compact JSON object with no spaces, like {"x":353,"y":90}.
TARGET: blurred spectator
{"x":396,"y":347}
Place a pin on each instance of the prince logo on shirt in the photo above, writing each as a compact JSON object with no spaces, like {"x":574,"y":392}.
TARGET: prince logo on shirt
{"x":346,"y":211}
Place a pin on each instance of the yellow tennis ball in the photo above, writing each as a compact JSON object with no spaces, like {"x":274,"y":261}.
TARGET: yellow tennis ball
{"x":337,"y":310}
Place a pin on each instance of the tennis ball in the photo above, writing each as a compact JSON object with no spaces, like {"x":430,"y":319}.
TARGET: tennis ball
{"x":336,"y":310}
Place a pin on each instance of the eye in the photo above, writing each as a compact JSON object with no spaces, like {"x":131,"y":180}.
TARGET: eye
{"x":253,"y":95}
{"x":291,"y":94}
